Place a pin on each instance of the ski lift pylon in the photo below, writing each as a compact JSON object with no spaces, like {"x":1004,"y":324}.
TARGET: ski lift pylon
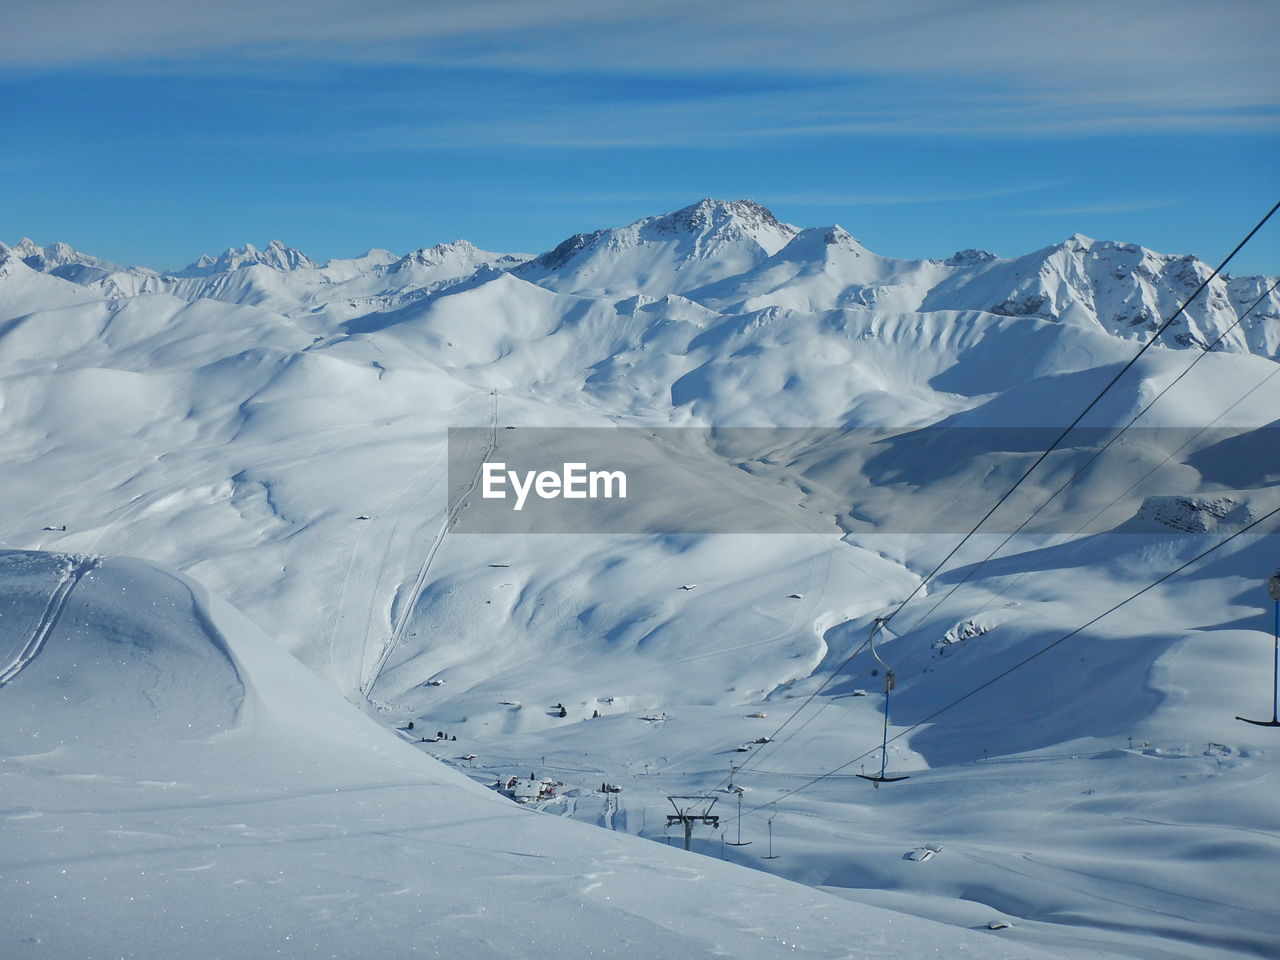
{"x":881,"y":777}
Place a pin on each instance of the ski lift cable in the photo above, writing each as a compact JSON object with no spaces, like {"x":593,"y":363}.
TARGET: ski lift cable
{"x":781,"y":743}
{"x":1083,"y":413}
{"x":795,"y":713}
{"x":1102,"y":510}
{"x":1040,"y":459}
{"x":1026,"y":660}
{"x":974,"y":568}
{"x":774,"y":745}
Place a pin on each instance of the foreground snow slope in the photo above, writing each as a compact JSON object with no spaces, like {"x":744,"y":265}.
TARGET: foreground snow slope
{"x":174,"y":784}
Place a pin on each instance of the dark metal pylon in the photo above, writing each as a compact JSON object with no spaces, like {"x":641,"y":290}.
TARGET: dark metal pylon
{"x":686,"y":815}
{"x":888,"y":688}
{"x":1273,"y":588}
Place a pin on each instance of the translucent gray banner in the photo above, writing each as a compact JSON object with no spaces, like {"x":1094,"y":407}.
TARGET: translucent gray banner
{"x":675,"y":480}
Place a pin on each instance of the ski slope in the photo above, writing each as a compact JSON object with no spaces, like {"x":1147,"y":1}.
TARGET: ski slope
{"x":175,"y":783}
{"x":275,"y":430}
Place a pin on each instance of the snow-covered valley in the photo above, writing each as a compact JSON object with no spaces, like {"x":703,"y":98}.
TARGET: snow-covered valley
{"x":269,"y":436}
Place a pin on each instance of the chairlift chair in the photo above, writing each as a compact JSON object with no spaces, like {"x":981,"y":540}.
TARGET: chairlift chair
{"x":740,"y":842}
{"x":771,"y":855}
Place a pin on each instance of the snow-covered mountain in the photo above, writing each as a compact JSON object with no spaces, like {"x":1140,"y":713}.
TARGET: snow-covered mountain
{"x":275,"y":255}
{"x":737,"y":257}
{"x":277,"y":277}
{"x":1123,"y":289}
{"x":62,"y":260}
{"x":275,"y":429}
{"x":666,"y":254}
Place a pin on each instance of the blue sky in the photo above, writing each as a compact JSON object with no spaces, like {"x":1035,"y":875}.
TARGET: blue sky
{"x":150,"y":132}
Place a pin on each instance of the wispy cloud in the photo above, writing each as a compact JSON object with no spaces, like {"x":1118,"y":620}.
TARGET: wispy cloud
{"x":908,"y":199}
{"x":542,"y":114}
{"x":1032,"y":66}
{"x":1138,"y":206}
{"x":813,"y":199}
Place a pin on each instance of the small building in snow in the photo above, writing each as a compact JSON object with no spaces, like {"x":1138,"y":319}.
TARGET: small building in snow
{"x":527,"y":790}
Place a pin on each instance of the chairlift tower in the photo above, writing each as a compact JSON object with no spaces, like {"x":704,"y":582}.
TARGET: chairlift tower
{"x":1273,"y":589}
{"x":690,"y":810}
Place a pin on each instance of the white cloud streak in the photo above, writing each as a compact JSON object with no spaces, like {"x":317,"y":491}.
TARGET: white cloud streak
{"x":1137,"y":206}
{"x":1034,"y":66}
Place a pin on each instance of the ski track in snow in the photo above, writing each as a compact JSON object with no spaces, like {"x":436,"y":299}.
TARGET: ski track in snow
{"x":411,"y":598}
{"x":362,"y":588}
{"x":76,"y":567}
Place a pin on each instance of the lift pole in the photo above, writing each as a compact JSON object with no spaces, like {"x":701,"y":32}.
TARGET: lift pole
{"x":889,"y":683}
{"x":1273,"y":589}
{"x":694,"y":809}
{"x":740,"y":842}
{"x":770,"y":855}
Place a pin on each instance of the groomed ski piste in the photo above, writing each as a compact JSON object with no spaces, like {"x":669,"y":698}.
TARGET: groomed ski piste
{"x":236,"y":776}
{"x":174,"y":781}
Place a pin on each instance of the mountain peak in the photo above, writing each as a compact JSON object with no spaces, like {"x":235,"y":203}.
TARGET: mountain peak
{"x":56,"y":257}
{"x":657,"y":255}
{"x":838,"y":236}
{"x":818,"y":245}
{"x":286,"y":257}
{"x":1078,"y":241}
{"x":970,"y":257}
{"x":455,"y":258}
{"x":709,"y":213}
{"x":712,"y":224}
{"x":275,"y":254}
{"x":26,"y":247}
{"x":440,"y":252}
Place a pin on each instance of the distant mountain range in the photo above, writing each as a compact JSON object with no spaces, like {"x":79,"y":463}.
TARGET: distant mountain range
{"x":729,"y":257}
